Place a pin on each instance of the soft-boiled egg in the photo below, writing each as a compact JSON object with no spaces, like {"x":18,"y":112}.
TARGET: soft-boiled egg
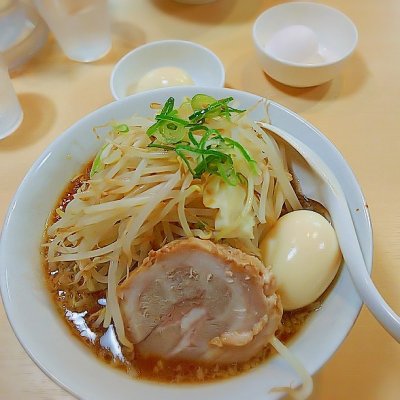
{"x":304,"y":254}
{"x":295,"y":43}
{"x":163,"y":77}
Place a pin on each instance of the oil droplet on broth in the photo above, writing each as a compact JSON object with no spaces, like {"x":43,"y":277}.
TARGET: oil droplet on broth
{"x":161,"y":77}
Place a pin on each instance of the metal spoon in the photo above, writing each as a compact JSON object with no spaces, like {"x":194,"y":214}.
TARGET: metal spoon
{"x":319,"y":183}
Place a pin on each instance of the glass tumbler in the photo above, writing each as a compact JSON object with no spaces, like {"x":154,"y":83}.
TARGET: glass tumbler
{"x":10,"y":110}
{"x":81,"y":27}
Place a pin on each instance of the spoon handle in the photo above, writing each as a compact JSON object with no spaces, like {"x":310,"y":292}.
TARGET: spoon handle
{"x":354,"y":259}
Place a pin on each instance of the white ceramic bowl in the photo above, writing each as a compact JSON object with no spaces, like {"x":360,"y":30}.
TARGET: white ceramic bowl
{"x":65,"y":359}
{"x":200,"y":63}
{"x":335,"y":32}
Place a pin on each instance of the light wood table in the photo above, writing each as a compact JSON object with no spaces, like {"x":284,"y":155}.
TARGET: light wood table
{"x":359,"y":112}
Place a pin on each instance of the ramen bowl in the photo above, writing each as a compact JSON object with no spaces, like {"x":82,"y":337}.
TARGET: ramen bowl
{"x":46,"y":338}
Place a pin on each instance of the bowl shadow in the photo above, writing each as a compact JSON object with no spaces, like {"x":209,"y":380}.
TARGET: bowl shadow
{"x":350,"y":80}
{"x":39,"y":115}
{"x":228,"y":11}
{"x":297,"y":99}
{"x":125,"y":37}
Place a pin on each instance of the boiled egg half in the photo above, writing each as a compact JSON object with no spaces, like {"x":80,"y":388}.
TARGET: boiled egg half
{"x":163,"y":77}
{"x":304,"y":254}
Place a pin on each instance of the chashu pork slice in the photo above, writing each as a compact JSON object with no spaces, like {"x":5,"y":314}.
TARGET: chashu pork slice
{"x":196,"y":300}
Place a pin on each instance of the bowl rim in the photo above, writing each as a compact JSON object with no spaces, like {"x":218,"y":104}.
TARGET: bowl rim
{"x":55,"y":375}
{"x":311,"y":66}
{"x":163,"y":42}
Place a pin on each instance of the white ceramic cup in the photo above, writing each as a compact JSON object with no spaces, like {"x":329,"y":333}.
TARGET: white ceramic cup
{"x":81,"y":28}
{"x":10,"y":110}
{"x":335,"y":33}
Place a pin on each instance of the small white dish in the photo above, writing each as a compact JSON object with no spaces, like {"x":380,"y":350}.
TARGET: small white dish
{"x":43,"y":334}
{"x":304,"y":24}
{"x":200,"y":64}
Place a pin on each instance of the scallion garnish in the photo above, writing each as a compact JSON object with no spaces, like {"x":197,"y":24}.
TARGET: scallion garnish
{"x":200,"y":101}
{"x":97,"y":164}
{"x":122,"y":128}
{"x":210,"y":152}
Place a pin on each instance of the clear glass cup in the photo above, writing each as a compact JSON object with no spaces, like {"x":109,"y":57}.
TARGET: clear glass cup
{"x":22,"y":32}
{"x":12,"y":20}
{"x":11,"y":114}
{"x":81,"y":27}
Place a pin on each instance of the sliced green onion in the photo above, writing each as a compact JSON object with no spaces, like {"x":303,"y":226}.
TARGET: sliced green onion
{"x":211,"y":111}
{"x":193,"y":139}
{"x":200,"y":101}
{"x":208,"y":135}
{"x":195,"y":150}
{"x":208,"y":164}
{"x":172,"y":132}
{"x":210,"y":153}
{"x":197,"y":127}
{"x":168,"y":106}
{"x":154,"y":128}
{"x":161,"y":146}
{"x":171,"y":118}
{"x":244,"y":153}
{"x":123,"y":128}
{"x":97,"y":164}
{"x":228,"y":174}
{"x":185,"y":160}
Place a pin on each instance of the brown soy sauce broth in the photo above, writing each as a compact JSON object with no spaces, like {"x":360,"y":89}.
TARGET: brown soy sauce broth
{"x":79,"y":310}
{"x":153,"y":368}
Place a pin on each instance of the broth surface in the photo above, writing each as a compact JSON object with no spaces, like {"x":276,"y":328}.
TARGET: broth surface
{"x":79,"y":309}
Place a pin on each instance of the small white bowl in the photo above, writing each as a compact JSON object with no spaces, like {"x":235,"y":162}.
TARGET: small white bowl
{"x":335,"y":34}
{"x":200,"y":63}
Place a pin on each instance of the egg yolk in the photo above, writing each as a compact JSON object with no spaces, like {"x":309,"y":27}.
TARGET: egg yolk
{"x":304,"y":254}
{"x":163,"y":77}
